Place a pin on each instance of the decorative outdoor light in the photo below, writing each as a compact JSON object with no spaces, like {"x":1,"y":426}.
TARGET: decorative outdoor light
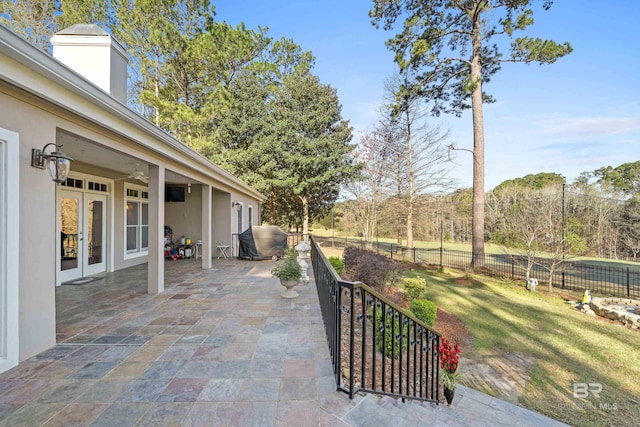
{"x":57,"y":162}
{"x":236,"y":204}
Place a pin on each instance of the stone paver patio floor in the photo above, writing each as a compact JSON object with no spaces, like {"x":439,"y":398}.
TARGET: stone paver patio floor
{"x":218,"y":347}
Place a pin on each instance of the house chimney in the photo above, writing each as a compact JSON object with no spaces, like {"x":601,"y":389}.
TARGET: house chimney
{"x":91,"y":52}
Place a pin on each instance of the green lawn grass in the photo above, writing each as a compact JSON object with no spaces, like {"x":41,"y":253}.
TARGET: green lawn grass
{"x":566,"y":345}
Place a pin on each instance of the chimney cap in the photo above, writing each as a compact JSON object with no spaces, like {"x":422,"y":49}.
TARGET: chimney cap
{"x":83,"y":30}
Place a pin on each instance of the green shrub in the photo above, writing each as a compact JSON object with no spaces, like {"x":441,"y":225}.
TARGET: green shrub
{"x":372,"y":269}
{"x":387,"y":337}
{"x":337,"y":264}
{"x":424,"y":310}
{"x":413,"y":288}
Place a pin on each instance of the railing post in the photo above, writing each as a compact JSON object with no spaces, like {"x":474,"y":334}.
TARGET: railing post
{"x":337,"y":336}
{"x":400,"y":345}
{"x":441,"y":255}
{"x":436,"y":378}
{"x":384,"y":345}
{"x":628,"y":284}
{"x":374,"y":315}
{"x":363,"y":344}
{"x":351,"y":343}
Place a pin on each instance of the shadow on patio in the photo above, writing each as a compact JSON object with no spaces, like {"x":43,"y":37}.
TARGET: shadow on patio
{"x":219,"y":347}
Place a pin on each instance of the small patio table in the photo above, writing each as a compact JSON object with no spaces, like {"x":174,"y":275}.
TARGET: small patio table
{"x":223,"y":251}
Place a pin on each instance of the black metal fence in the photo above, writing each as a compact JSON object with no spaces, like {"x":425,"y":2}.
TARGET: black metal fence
{"x":375,"y":346}
{"x":572,"y":275}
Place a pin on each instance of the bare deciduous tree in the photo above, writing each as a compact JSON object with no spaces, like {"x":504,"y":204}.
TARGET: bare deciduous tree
{"x":33,"y":19}
{"x":417,"y":147}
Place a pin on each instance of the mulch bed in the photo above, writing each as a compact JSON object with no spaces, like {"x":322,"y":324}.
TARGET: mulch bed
{"x":397,"y":376}
{"x":452,"y":328}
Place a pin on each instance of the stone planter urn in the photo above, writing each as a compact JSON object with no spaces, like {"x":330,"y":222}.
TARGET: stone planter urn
{"x":289,"y":285}
{"x":289,"y":274}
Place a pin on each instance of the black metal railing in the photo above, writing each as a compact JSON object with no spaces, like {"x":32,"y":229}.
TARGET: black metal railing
{"x":375,"y":346}
{"x":572,"y":275}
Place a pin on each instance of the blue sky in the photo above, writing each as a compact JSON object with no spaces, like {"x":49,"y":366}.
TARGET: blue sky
{"x":579,"y":114}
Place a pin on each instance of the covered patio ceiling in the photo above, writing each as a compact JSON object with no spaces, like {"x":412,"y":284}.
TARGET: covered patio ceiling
{"x":118,"y":165}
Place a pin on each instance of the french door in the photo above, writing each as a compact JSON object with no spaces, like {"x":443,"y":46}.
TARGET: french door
{"x":83,"y":234}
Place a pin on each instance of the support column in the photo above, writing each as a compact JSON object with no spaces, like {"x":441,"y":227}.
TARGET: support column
{"x":155,"y":266}
{"x":206,"y":226}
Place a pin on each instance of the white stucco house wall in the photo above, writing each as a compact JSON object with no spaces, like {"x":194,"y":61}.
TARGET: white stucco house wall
{"x":111,"y":211}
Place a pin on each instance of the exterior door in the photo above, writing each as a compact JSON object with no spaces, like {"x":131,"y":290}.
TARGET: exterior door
{"x":82,"y":246}
{"x":95,"y":226}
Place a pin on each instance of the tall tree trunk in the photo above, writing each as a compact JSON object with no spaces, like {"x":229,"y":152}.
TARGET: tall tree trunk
{"x":399,"y":185}
{"x":305,"y":216}
{"x":410,"y":223}
{"x":157,"y":88}
{"x":410,"y":190}
{"x":143,"y":106}
{"x":374,"y":233}
{"x":272,"y":208}
{"x":187,"y":102}
{"x":477,"y":229}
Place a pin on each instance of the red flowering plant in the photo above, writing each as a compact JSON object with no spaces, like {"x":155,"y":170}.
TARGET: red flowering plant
{"x":449,"y":358}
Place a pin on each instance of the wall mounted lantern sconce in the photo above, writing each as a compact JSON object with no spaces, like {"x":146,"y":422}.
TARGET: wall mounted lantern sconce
{"x":236,"y":204}
{"x":56,"y":162}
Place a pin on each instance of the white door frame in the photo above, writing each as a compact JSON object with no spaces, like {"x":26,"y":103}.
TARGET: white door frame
{"x":84,"y":268}
{"x":9,"y":250}
{"x":89,"y":269}
{"x":72,"y":273}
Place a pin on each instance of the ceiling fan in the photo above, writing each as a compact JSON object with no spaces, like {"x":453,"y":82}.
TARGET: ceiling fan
{"x":138,"y":175}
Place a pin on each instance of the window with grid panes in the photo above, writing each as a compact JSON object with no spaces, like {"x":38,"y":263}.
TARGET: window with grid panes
{"x":137,"y":215}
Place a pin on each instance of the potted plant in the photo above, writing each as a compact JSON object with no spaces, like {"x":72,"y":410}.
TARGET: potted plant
{"x":449,"y":375}
{"x":289,"y":273}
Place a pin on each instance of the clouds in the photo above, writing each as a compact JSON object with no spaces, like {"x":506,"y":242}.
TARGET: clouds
{"x":517,"y":145}
{"x":587,"y":127}
{"x":588,"y":143}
